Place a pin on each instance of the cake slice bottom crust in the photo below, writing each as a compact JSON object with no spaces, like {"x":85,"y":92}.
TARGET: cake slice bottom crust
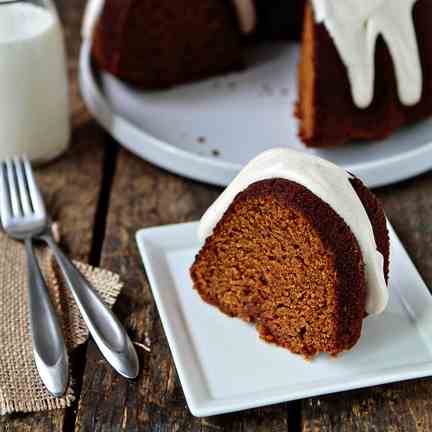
{"x":283,"y":259}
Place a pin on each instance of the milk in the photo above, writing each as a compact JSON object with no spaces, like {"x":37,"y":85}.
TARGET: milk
{"x":34,"y":106}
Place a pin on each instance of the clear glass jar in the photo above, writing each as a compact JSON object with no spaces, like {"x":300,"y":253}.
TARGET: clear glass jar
{"x":34,"y":102}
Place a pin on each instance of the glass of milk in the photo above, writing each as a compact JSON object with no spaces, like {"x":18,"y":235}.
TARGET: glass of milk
{"x":34,"y":103}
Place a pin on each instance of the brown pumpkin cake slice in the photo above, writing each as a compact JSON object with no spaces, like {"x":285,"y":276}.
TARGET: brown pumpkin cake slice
{"x":298,"y":247}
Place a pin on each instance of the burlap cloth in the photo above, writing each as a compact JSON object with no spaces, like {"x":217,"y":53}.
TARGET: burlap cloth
{"x":20,"y":386}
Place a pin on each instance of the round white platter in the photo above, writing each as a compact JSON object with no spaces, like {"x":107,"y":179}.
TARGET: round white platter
{"x":208,"y":130}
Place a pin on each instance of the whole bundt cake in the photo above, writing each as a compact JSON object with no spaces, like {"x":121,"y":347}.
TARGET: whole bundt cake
{"x":365,"y":68}
{"x":298,"y":247}
{"x":160,"y":43}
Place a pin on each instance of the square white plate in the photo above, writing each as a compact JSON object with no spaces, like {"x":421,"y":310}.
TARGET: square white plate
{"x":222,"y":364}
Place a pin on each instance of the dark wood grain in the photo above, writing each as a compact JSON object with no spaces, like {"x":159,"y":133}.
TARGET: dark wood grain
{"x":396,"y":407}
{"x":71,"y":187}
{"x":143,"y":196}
{"x":44,"y":422}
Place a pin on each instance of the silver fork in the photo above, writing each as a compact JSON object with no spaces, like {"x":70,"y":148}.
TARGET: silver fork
{"x":107,"y":332}
{"x":22,"y":220}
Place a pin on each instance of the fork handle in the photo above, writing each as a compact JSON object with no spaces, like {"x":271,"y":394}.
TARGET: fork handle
{"x":107,"y":332}
{"x":48,"y":344}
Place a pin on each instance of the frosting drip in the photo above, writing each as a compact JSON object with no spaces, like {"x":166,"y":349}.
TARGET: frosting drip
{"x":246,"y":14}
{"x":355,"y":26}
{"x":328,"y":182}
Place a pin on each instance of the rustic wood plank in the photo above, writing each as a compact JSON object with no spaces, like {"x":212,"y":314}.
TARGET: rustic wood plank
{"x":43,"y":422}
{"x":71,"y":186}
{"x":405,"y":406}
{"x":143,"y":196}
{"x":397,"y":407}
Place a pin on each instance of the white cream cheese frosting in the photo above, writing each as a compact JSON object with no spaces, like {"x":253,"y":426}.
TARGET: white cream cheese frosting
{"x":245,"y":11}
{"x":355,"y":26}
{"x":328,"y":182}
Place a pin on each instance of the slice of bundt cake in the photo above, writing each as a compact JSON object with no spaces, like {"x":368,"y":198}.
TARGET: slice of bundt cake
{"x":298,"y":247}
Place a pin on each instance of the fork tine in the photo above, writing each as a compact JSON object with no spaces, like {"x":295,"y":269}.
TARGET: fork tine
{"x":13,"y":188}
{"x":25,"y":198}
{"x":5,"y":204}
{"x":36,"y":197}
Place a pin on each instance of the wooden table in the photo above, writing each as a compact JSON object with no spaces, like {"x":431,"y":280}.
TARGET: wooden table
{"x":102,"y":194}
